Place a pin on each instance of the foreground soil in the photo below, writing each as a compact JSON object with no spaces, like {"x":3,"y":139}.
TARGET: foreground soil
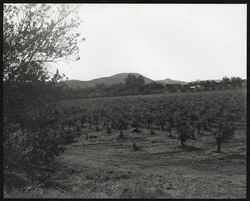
{"x":108,"y":167}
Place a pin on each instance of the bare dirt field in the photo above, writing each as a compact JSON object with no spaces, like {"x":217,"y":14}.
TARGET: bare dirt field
{"x":108,"y":167}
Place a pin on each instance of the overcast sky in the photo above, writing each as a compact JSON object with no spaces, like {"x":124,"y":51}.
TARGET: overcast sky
{"x":182,"y":42}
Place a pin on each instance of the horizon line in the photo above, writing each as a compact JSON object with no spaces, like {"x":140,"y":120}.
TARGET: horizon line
{"x":153,"y":79}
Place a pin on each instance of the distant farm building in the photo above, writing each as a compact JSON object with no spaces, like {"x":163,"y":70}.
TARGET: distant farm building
{"x":195,"y":86}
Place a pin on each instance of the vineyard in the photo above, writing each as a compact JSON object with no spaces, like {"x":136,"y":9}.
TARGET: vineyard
{"x":178,"y":145}
{"x":120,"y":137}
{"x":185,"y":115}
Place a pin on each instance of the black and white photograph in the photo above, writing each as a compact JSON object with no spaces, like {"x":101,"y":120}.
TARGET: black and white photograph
{"x":124,"y":101}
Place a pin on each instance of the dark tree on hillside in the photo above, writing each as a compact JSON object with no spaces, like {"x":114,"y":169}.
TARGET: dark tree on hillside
{"x":155,"y":86}
{"x":133,"y":82}
{"x":173,"y":87}
{"x":140,"y":81}
{"x":236,"y":82}
{"x":225,"y":82}
{"x":100,"y":87}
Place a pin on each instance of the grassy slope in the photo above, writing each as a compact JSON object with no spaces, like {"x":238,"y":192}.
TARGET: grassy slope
{"x":109,"y":168}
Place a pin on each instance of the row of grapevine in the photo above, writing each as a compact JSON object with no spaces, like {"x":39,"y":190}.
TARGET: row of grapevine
{"x":187,"y":115}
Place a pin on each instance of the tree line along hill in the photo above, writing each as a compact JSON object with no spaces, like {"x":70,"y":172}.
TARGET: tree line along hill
{"x":135,"y":84}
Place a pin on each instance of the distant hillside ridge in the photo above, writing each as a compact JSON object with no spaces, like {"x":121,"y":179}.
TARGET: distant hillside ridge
{"x":170,"y":81}
{"x":115,"y":79}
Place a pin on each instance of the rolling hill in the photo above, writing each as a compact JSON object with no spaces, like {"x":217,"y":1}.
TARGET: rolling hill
{"x":169,"y":81}
{"x":115,"y":79}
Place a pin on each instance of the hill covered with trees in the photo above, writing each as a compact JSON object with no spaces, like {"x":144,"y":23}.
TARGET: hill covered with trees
{"x":136,"y":84}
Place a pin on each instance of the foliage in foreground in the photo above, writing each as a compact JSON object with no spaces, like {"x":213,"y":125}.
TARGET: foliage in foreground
{"x":33,"y":36}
